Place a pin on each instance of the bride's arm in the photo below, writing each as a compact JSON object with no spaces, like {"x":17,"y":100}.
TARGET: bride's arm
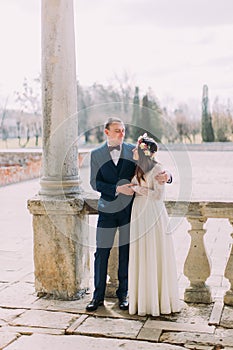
{"x":157,"y":190}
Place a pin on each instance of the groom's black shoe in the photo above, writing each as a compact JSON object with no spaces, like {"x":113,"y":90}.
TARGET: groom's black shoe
{"x":123,"y":303}
{"x":94,"y":304}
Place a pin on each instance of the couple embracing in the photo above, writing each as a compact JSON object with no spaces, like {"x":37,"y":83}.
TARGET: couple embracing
{"x":131,"y":183}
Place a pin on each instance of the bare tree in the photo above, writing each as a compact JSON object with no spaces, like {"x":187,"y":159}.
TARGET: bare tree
{"x":29,"y":100}
{"x":3,"y":127}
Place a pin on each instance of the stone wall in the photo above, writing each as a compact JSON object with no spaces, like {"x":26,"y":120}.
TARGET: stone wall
{"x":18,"y":165}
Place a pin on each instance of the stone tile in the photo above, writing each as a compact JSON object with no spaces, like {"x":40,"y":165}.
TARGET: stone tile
{"x":111,"y":310}
{"x":198,"y":347}
{"x":44,"y":319}
{"x":7,"y":338}
{"x":216,"y":313}
{"x":18,"y":295}
{"x":76,"y":342}
{"x":177,"y":326}
{"x":74,"y":306}
{"x":31,"y":330}
{"x":149,"y":334}
{"x":198,"y":339}
{"x":8,"y":315}
{"x":76,"y":324}
{"x":3,"y":285}
{"x":190,"y":313}
{"x":227,"y":317}
{"x":109,"y":327}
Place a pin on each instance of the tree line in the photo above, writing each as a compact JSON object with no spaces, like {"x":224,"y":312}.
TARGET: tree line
{"x":141,"y":112}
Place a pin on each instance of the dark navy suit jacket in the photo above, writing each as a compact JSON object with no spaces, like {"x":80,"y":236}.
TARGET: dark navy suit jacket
{"x":106,"y":176}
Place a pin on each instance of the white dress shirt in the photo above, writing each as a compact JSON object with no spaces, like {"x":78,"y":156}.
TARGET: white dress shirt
{"x":115,"y":154}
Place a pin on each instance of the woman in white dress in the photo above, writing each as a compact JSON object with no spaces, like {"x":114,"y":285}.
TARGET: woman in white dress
{"x":153,"y":285}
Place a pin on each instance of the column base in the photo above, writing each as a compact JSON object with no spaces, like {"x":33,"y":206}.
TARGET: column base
{"x":59,"y":187}
{"x":61,"y":249}
{"x":198,"y":295}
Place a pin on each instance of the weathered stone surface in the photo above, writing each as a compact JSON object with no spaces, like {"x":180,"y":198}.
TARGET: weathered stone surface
{"x":110,"y":327}
{"x":76,"y":324}
{"x":8,"y":315}
{"x":200,"y":339}
{"x":177,"y":326}
{"x":75,"y":342}
{"x":7,"y":338}
{"x":74,"y":306}
{"x":190,"y":313}
{"x":18,"y":295}
{"x":149,"y":334}
{"x":216,"y":313}
{"x":227,"y":317}
{"x":61,"y":254}
{"x":46,"y":319}
{"x":31,"y":330}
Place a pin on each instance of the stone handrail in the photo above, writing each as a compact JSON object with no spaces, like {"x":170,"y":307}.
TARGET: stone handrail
{"x":197,"y":265}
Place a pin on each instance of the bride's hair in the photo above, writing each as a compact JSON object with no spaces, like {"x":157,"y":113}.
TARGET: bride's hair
{"x":146,"y":147}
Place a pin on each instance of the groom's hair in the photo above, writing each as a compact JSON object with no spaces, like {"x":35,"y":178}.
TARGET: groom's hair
{"x":112,"y":120}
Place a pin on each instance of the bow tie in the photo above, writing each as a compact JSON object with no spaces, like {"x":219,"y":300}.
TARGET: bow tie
{"x":111,"y":148}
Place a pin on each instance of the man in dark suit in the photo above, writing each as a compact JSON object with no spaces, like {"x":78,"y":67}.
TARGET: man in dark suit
{"x":112,"y":168}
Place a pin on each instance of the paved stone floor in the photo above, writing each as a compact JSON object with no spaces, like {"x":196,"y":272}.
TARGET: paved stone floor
{"x":28,"y":322}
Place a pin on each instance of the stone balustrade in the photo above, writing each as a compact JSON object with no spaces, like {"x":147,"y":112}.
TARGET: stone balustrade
{"x":197,"y":264}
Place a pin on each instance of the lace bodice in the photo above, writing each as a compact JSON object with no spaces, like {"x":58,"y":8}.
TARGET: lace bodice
{"x":150,"y":187}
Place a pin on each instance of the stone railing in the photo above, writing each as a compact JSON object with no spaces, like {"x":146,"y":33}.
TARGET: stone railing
{"x":197,"y":265}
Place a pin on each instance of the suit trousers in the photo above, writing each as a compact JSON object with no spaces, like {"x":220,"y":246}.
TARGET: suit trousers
{"x":106,"y":230}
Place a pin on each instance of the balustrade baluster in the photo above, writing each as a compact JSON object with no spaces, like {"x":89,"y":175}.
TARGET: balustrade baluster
{"x":228,"y":297}
{"x":197,"y":266}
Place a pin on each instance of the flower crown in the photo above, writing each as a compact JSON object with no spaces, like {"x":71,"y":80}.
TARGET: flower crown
{"x":145,"y":143}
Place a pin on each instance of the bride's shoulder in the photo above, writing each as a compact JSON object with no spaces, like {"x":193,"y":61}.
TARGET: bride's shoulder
{"x":157,"y":168}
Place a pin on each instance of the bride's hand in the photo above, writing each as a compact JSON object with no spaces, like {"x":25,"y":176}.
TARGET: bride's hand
{"x":162,"y":177}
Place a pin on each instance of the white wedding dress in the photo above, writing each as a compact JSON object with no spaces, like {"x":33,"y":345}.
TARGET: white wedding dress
{"x":153,"y":285}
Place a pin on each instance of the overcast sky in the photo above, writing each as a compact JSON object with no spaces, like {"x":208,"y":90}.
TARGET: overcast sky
{"x":172,"y":46}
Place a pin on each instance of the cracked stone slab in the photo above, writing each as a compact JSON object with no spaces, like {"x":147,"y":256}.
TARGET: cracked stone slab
{"x":18,"y":295}
{"x":190,"y":313}
{"x":7,"y":338}
{"x":75,"y":342}
{"x":76,"y":324}
{"x":149,"y":334}
{"x":44,"y":319}
{"x":216,"y":313}
{"x":31,"y":330}
{"x":176,"y":326}
{"x":227,"y":317}
{"x":199,"y":339}
{"x":74,"y":306}
{"x":110,"y":327}
{"x":7,"y":315}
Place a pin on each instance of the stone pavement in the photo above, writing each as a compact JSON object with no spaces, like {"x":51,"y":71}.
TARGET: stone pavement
{"x":28,"y":322}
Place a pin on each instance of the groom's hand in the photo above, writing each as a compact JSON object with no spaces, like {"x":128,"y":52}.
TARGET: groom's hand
{"x":125,"y":189}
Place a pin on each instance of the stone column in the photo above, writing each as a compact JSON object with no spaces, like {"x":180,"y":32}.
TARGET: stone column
{"x":228,"y":297}
{"x":197,"y":266}
{"x":61,"y":254}
{"x":59,"y":99}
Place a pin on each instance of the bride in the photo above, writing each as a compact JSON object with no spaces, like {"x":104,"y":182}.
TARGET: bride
{"x":153,"y":286}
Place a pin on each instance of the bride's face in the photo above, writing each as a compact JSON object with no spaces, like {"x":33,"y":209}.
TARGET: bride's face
{"x":135,"y":153}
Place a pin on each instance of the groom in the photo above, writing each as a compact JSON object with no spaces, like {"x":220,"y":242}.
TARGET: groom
{"x":112,"y":168}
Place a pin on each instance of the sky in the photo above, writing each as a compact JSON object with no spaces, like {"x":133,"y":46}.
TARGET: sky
{"x":171,"y":46}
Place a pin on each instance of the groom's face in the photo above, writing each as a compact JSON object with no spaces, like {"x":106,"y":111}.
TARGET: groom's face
{"x":115,"y":134}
